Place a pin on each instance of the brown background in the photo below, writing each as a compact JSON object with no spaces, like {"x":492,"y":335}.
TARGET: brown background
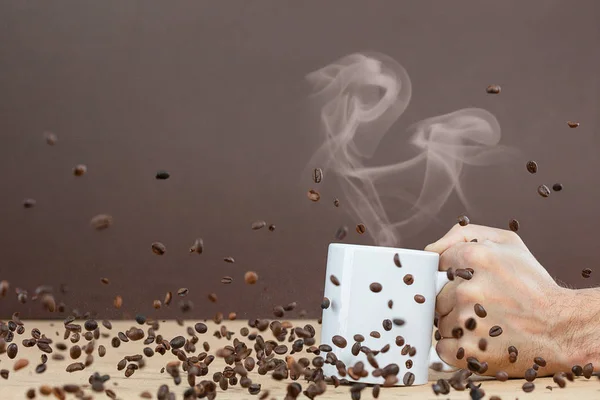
{"x":214,"y":92}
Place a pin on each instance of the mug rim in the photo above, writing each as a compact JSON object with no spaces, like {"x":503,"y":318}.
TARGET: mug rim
{"x":396,"y":249}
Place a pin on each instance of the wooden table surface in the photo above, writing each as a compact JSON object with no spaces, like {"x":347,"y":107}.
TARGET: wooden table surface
{"x":150,"y":378}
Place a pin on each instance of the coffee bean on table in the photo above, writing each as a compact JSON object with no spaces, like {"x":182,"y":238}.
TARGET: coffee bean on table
{"x":313,"y":195}
{"x":572,"y":124}
{"x":182,"y":291}
{"x":397,"y":260}
{"x":586,"y":273}
{"x":101,"y":221}
{"x":360,"y":229}
{"x":375,"y":287}
{"x":493,"y":89}
{"x":480,"y":311}
{"x":387,"y":324}
{"x":341,"y":233}
{"x":419,"y":298}
{"x":543,"y":191}
{"x":471,"y":324}
{"x":528,"y":387}
{"x":557,"y":187}
{"x":463,"y":220}
{"x":339,"y":341}
{"x":501,"y":376}
{"x":588,"y":370}
{"x":197,"y":247}
{"x":159,"y":248}
{"x":482,"y":344}
{"x":409,"y":379}
{"x":408,"y":279}
{"x":495,"y":331}
{"x":162,"y":175}
{"x":513,"y":225}
{"x":532,"y":167}
{"x":457,"y":332}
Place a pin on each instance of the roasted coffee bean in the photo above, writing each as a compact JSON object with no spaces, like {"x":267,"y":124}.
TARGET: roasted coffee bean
{"x":4,"y":286}
{"x":75,"y":352}
{"x":464,"y":274}
{"x":535,"y":366}
{"x":339,"y":341}
{"x":408,"y":279}
{"x":317,"y":175}
{"x":577,"y":370}
{"x":212,"y":297}
{"x":341,"y":233}
{"x":12,"y":350}
{"x":480,"y":311}
{"x":325,"y":303}
{"x":162,"y":175}
{"x":501,"y":376}
{"x":90,"y":325}
{"x":334,"y":280}
{"x":359,"y":338}
{"x":375,"y":287}
{"x":397,"y":260}
{"x":75,"y":367}
{"x":528,"y":387}
{"x":106,"y":324}
{"x":463,"y":220}
{"x":436,"y":366}
{"x":495,"y":331}
{"x":513,"y":349}
{"x":559,"y":380}
{"x":4,"y":373}
{"x":40,"y":369}
{"x":419,"y":298}
{"x":493,"y":89}
{"x":250,"y":278}
{"x":198,"y":246}
{"x":457,"y":332}
{"x":482,"y":344}
{"x":159,"y":248}
{"x":473,"y":364}
{"x":29,"y":203}
{"x":182,"y":291}
{"x":450,"y":274}
{"x":539,"y":361}
{"x":572,"y":124}
{"x":530,"y":375}
{"x":101,"y":221}
{"x":586,"y":273}
{"x":360,"y":229}
{"x":226,"y":280}
{"x":313,"y":195}
{"x":399,"y":341}
{"x":513,"y":225}
{"x":278,"y":311}
{"x":376,"y":390}
{"x":512,"y":358}
{"x":390,"y":304}
{"x":101,"y":351}
{"x":271,"y":228}
{"x":588,"y":370}
{"x":543,"y":191}
{"x":375,"y":334}
{"x":118,"y":302}
{"x":437,"y":335}
{"x":398,"y":321}
{"x":471,"y":324}
{"x":79,"y":170}
{"x":229,"y":260}
{"x":557,"y":187}
{"x":532,"y":167}
{"x":177,"y":342}
{"x":258,"y":225}
{"x":409,"y":379}
{"x":387,"y":324}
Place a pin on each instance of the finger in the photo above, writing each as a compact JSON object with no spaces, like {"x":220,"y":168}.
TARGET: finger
{"x":467,"y":233}
{"x":447,"y":323}
{"x":446,"y":300}
{"x":447,"y":349}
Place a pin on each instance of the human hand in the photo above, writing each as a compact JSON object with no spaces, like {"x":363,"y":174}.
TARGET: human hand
{"x":518,"y":295}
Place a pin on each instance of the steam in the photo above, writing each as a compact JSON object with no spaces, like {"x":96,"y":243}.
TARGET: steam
{"x":361,"y":97}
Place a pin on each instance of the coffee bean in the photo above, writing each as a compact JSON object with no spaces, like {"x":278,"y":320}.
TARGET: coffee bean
{"x":572,"y":124}
{"x":419,"y":298}
{"x":271,"y":228}
{"x":513,"y":225}
{"x":79,"y":170}
{"x":20,"y":364}
{"x":156,"y":304}
{"x":473,"y":364}
{"x":313,"y":195}
{"x":586,"y":273}
{"x":197,"y":247}
{"x":480,"y":311}
{"x":450,"y":274}
{"x":336,"y":202}
{"x":376,"y":391}
{"x":473,"y":240}
{"x":278,"y":311}
{"x":543,"y":191}
{"x":559,"y":380}
{"x":229,"y":260}
{"x":162,"y":175}
{"x":513,"y":349}
{"x":588,"y":370}
{"x":375,"y":287}
{"x":74,"y":367}
{"x":557,"y":187}
{"x":501,"y":376}
{"x":387,"y":324}
{"x":482,"y":344}
{"x":90,"y":325}
{"x":535,"y":366}
{"x":409,"y":379}
{"x":375,"y":334}
{"x":570,"y":377}
{"x":532,"y":167}
{"x":528,"y":387}
{"x":182,"y":291}
{"x":12,"y":350}
{"x":464,"y":274}
{"x":471,"y":324}
{"x":399,"y":341}
{"x":577,"y":370}
{"x":41,"y":368}
{"x":493,"y":89}
{"x":258,"y":225}
{"x":177,"y":342}
{"x":408,"y":279}
{"x":530,"y":375}
{"x":341,"y":233}
{"x":360,"y":229}
{"x":75,"y":352}
{"x":317,"y":175}
{"x":437,"y":335}
{"x":397,"y":260}
{"x":359,"y":338}
{"x":101,"y":221}
{"x":334,"y":280}
{"x":4,"y":373}
{"x":495,"y":331}
{"x":436,"y":366}
{"x":457,"y":332}
{"x":159,"y":248}
{"x":101,"y":351}
{"x":339,"y":341}
{"x":325,"y":303}
{"x":390,"y":304}
{"x":539,"y":361}
{"x":250,"y":278}
{"x":512,"y":358}
{"x":168,"y":298}
{"x":118,"y":302}
{"x":398,"y":321}
{"x":463,"y":220}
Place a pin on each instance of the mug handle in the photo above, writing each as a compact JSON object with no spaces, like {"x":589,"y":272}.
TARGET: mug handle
{"x":441,"y":281}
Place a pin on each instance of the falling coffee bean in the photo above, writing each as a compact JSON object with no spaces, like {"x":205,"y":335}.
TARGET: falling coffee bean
{"x":387,"y":324}
{"x":101,"y":221}
{"x":271,"y":228}
{"x":409,"y":379}
{"x":539,"y":361}
{"x":197,"y":247}
{"x":375,"y":334}
{"x":398,"y":321}
{"x":464,"y":274}
{"x":471,"y":324}
{"x":390,"y":304}
{"x":513,"y":225}
{"x":419,"y":298}
{"x":360,"y":228}
{"x":341,"y":233}
{"x":334,"y":280}
{"x":480,"y":311}
{"x":408,"y":279}
{"x":457,"y":332}
{"x":559,"y":379}
{"x":313,"y":195}
{"x":543,"y":191}
{"x":226,"y":280}
{"x":502,"y":376}
{"x":397,"y":260}
{"x":375,"y":287}
{"x":572,"y":124}
{"x":463,"y":220}
{"x":250,"y":278}
{"x":532,"y":167}
{"x":317,"y":175}
{"x":482,"y":344}
{"x":29,"y":203}
{"x":493,"y":89}
{"x":586,"y":273}
{"x":588,"y":370}
{"x":229,"y":260}
{"x":325,"y":303}
{"x":159,"y":248}
{"x":557,"y":187}
{"x":258,"y":225}
{"x":79,"y":170}
{"x":162,"y":175}
{"x":528,"y":387}
{"x":460,"y":354}
{"x":182,"y":291}
{"x":336,"y":202}
{"x":339,"y":341}
{"x":495,"y":331}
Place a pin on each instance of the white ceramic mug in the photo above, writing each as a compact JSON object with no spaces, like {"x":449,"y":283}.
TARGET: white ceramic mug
{"x":355,"y":309}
